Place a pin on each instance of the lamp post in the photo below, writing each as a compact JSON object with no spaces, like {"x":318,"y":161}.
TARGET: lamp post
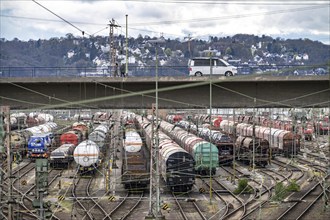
{"x":158,"y":213}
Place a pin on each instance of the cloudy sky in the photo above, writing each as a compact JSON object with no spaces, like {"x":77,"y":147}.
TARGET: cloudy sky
{"x":44,"y":19}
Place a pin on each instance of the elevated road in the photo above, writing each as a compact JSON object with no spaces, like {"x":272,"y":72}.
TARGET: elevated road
{"x":174,"y":92}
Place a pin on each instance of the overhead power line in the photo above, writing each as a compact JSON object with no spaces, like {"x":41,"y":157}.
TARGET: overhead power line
{"x":217,"y":2}
{"x":207,"y":19}
{"x":83,"y":32}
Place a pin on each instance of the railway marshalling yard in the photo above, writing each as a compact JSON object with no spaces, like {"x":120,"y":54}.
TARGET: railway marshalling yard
{"x":103,"y":196}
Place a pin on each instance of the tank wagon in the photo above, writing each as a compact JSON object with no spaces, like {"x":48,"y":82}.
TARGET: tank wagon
{"x":74,"y":134}
{"x":174,"y":118}
{"x":88,"y":157}
{"x":89,"y":153}
{"x":176,"y":164}
{"x":62,"y":156}
{"x":135,"y":172}
{"x":204,"y":152}
{"x":34,"y":119}
{"x":100,"y":117}
{"x":222,"y":141}
{"x":17,"y":121}
{"x":82,"y":127}
{"x":205,"y":119}
{"x":99,"y":134}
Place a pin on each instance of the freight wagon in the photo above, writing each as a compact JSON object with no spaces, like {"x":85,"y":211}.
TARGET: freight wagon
{"x":176,"y":164}
{"x":62,"y":156}
{"x":135,"y":167}
{"x":204,"y":153}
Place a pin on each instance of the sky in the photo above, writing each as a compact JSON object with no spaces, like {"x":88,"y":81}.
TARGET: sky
{"x":174,"y":19}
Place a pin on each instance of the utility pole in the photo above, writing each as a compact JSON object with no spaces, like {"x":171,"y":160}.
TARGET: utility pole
{"x":150,"y":213}
{"x":210,"y":121}
{"x":270,"y":117}
{"x":189,"y":38}
{"x":158,"y":213}
{"x":112,"y":50}
{"x":234,"y":146}
{"x":126,"y":64}
{"x":5,"y":110}
{"x":2,"y":152}
{"x":254,"y":135}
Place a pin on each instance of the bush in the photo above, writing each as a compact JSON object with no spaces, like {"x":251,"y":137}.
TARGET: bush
{"x":243,"y":187}
{"x":280,"y":192}
{"x":293,"y":186}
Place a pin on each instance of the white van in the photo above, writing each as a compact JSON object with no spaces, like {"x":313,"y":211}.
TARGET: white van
{"x":200,"y":66}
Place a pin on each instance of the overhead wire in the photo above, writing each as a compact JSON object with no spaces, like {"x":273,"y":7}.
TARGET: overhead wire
{"x":41,"y":94}
{"x":217,"y":2}
{"x":22,"y":101}
{"x":150,"y":96}
{"x":205,"y":19}
{"x":83,"y":32}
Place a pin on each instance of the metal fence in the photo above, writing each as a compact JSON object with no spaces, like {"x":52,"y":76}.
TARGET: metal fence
{"x":149,"y":71}
{"x":90,"y":72}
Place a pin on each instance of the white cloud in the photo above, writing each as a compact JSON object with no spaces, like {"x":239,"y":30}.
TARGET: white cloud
{"x":196,"y":19}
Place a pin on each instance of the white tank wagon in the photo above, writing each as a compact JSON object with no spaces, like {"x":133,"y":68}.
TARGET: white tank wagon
{"x":88,"y":157}
{"x":133,"y":141}
{"x":99,"y":135}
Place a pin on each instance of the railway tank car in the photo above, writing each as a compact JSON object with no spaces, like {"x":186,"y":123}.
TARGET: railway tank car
{"x":204,"y":152}
{"x":176,"y":164}
{"x":99,"y":134}
{"x":71,"y":137}
{"x":17,"y":121}
{"x":88,"y":157}
{"x":135,"y":168}
{"x":89,"y":153}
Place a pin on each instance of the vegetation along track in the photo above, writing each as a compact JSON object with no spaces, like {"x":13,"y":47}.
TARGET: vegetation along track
{"x":304,"y":200}
{"x":261,"y":196}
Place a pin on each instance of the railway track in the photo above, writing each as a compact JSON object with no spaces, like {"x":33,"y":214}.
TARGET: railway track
{"x":235,"y":206}
{"x":262,"y":194}
{"x":218,"y":188}
{"x":187,"y":208}
{"x":294,"y":173}
{"x":23,"y":186}
{"x":297,"y":173}
{"x":304,"y":200}
{"x":315,"y":158}
{"x":126,"y":206}
{"x":89,"y":207}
